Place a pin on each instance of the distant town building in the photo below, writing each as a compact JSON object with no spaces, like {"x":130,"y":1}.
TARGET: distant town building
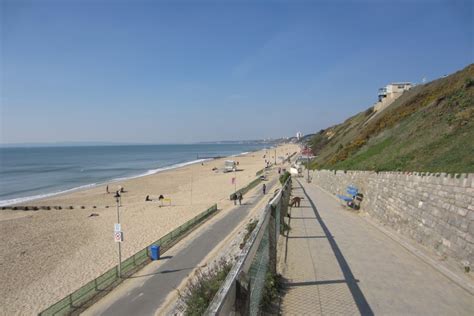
{"x":299,"y":135}
{"x":390,"y":93}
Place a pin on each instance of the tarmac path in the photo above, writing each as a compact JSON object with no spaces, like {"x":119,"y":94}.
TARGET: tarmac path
{"x":146,"y":297}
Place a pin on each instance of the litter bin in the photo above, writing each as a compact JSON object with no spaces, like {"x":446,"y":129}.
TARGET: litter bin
{"x":155,"y":252}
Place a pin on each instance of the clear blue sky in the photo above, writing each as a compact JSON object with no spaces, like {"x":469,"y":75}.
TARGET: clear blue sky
{"x":186,"y":71}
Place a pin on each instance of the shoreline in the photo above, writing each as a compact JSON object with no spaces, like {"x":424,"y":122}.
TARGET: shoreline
{"x":48,"y":254}
{"x":15,"y":202}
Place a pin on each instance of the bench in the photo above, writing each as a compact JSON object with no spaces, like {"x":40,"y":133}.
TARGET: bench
{"x":352,"y":191}
{"x":354,"y":198}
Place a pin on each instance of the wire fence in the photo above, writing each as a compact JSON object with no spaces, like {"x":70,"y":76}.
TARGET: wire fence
{"x":244,"y":287}
{"x":92,"y":291}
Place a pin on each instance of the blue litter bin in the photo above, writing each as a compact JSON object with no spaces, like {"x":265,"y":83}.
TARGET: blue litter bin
{"x":155,"y":252}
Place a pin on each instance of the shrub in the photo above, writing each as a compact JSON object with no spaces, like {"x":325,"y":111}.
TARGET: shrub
{"x":250,"y":227}
{"x":369,"y":111}
{"x":200,"y":291}
{"x":284,"y":177}
{"x":469,"y":82}
{"x":284,"y":228}
{"x":271,"y":290}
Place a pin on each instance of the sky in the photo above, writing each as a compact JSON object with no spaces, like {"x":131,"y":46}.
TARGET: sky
{"x":190,"y":71}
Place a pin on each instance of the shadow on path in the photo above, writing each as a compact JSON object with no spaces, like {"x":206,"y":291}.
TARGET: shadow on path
{"x":306,"y":237}
{"x":290,"y":284}
{"x":159,"y":272}
{"x":359,"y":298}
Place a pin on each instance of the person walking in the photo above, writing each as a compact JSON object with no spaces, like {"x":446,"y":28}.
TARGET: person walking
{"x":107,"y":189}
{"x":264,"y":188}
{"x":239,"y":196}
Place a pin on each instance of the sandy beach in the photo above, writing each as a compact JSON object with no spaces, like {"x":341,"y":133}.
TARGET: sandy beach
{"x":47,"y":254}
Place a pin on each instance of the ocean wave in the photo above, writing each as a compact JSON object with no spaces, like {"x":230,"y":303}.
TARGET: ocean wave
{"x":21,"y":200}
{"x":242,"y":154}
{"x":154,"y":171}
{"x":92,"y":185}
{"x":45,"y":195}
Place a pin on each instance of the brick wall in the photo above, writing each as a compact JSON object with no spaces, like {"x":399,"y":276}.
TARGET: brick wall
{"x":436,"y":210}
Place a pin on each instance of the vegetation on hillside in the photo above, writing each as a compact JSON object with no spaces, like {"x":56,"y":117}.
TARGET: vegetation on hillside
{"x":429,"y":128}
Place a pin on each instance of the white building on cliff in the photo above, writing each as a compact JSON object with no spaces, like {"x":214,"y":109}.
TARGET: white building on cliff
{"x":390,"y":93}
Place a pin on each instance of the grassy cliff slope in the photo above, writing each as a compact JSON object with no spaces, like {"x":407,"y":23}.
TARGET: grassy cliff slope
{"x":429,"y":128}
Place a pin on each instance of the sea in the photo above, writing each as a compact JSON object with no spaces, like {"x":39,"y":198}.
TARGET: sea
{"x":36,"y":172}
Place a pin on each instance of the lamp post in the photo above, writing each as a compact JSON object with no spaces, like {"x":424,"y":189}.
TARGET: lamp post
{"x":117,"y":200}
{"x":307,"y":168}
{"x":235,"y":181}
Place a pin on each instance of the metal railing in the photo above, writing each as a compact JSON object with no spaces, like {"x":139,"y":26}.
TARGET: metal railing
{"x":243,"y":289}
{"x":89,"y":293}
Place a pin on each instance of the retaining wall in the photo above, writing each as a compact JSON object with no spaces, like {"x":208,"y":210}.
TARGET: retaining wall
{"x":436,"y":210}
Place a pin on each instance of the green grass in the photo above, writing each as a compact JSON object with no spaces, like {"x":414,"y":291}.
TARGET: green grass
{"x":362,"y":159}
{"x":430,"y":128}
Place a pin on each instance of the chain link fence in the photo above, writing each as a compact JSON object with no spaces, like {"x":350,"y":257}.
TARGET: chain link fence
{"x":244,"y":287}
{"x":95,"y":289}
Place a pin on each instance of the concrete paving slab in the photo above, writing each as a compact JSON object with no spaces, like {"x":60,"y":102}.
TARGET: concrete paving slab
{"x":345,"y":266}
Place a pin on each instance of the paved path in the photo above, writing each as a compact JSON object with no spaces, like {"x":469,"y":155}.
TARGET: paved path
{"x":338,"y":264}
{"x":144,"y":298}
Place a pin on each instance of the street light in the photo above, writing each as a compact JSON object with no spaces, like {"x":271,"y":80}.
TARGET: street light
{"x":117,"y":200}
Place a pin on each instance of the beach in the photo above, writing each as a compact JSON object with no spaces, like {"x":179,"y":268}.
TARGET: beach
{"x":47,"y":254}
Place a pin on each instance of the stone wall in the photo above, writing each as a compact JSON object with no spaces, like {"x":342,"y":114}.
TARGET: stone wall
{"x":436,"y":210}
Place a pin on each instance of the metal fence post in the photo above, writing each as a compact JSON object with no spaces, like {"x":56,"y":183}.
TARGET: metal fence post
{"x":242,"y":295}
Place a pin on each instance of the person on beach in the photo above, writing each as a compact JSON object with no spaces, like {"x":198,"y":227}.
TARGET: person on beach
{"x":107,"y":189}
{"x":240,"y":197}
{"x":264,"y":188}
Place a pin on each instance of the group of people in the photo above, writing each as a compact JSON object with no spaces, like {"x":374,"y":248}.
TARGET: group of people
{"x":117,"y":193}
{"x":237,"y":197}
{"x":148,"y":199}
{"x":122,"y":190}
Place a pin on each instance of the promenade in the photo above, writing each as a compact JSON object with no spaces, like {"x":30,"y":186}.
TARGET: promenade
{"x":335,"y":263}
{"x":147,"y":291}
